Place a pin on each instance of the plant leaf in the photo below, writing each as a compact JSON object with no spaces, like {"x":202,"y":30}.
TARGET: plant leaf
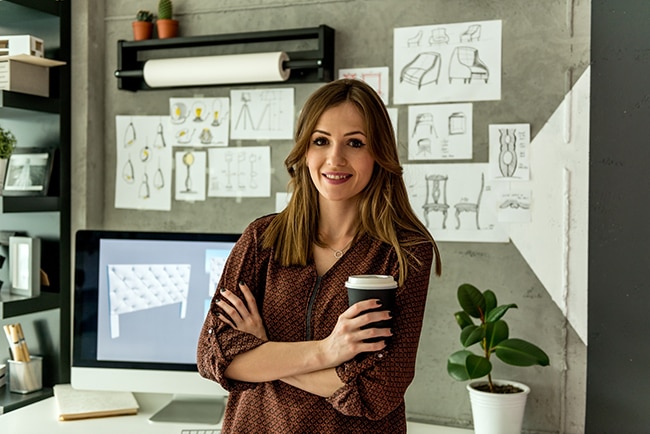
{"x":518,"y":352}
{"x":495,"y":333}
{"x":465,"y":365}
{"x":463,"y":319}
{"x":471,"y":300}
{"x":490,"y":300}
{"x":498,"y":312}
{"x":471,"y":335}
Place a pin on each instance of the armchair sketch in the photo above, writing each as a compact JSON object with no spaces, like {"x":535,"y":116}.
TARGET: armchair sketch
{"x":473,"y":33}
{"x":422,"y":70}
{"x":466,"y":64}
{"x":438,"y":36}
{"x":414,"y":41}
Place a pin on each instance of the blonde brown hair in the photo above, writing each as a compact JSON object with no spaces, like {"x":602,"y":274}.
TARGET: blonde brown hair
{"x":384,"y":205}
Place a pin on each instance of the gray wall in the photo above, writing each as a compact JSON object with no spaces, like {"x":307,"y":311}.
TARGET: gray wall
{"x":541,"y":40}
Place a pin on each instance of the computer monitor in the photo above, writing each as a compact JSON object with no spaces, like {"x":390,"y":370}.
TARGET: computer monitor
{"x":140,"y":299}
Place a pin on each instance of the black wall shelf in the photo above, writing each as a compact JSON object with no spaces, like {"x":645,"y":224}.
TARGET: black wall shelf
{"x":13,"y":305}
{"x":15,"y":204}
{"x":306,"y":66}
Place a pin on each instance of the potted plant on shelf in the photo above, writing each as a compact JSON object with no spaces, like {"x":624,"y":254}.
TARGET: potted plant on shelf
{"x":143,"y":25}
{"x":497,"y":405}
{"x":7,"y":146}
{"x":166,"y":26}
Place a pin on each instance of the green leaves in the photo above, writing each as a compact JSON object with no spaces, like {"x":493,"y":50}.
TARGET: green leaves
{"x":464,"y":365}
{"x":492,"y":333}
{"x":471,"y":300}
{"x":518,"y":352}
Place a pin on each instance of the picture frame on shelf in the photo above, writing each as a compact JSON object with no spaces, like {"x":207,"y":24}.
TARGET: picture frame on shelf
{"x":25,"y":266}
{"x":28,"y":172}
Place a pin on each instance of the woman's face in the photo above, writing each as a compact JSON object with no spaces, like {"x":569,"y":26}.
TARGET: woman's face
{"x":339,"y":162}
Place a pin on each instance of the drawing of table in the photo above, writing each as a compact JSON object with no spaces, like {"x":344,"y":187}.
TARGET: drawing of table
{"x":135,"y":287}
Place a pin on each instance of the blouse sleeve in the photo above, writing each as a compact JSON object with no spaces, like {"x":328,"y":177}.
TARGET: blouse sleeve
{"x":375,"y":383}
{"x":219,"y":343}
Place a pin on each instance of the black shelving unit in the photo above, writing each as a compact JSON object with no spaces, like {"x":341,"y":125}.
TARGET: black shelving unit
{"x":28,"y":17}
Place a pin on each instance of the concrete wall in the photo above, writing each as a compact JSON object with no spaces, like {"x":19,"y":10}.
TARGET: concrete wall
{"x":541,"y":41}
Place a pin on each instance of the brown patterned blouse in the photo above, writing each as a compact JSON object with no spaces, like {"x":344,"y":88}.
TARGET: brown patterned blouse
{"x":298,"y":305}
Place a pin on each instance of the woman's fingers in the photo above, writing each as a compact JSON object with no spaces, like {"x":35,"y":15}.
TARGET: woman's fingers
{"x":248,"y":296}
{"x":244,"y":316}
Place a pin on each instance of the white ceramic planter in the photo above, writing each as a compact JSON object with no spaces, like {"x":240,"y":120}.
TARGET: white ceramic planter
{"x":498,"y":413}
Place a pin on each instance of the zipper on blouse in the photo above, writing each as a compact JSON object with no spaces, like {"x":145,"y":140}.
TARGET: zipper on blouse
{"x":310,"y":307}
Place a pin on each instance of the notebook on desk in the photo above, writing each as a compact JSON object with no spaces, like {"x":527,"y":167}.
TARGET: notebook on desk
{"x":75,"y":404}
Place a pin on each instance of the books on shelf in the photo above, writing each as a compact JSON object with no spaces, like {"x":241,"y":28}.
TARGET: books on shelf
{"x":75,"y":404}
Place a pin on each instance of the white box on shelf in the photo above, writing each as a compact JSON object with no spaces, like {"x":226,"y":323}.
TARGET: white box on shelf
{"x":12,"y":45}
{"x":26,"y":74}
{"x":25,"y":266}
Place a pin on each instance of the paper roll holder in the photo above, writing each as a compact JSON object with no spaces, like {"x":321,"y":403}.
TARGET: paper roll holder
{"x":306,"y":66}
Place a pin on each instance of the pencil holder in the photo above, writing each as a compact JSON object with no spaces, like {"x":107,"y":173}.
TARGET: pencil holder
{"x":26,"y":377}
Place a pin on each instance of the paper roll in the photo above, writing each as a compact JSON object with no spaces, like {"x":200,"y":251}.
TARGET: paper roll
{"x":209,"y":70}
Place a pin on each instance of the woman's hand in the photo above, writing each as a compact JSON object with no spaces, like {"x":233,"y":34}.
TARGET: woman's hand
{"x":239,"y":315}
{"x":347,"y":338}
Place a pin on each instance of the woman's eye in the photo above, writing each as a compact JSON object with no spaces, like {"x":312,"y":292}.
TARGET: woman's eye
{"x":320,"y":141}
{"x":356,"y":143}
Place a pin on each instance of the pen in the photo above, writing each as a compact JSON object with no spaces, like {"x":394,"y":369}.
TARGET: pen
{"x":11,"y":346}
{"x":23,"y":342}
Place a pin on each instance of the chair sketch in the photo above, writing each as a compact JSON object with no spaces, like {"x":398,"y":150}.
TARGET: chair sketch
{"x":436,"y":187}
{"x":422,"y":70}
{"x":139,"y":287}
{"x":425,"y":119}
{"x":466,"y":64}
{"x":473,"y":33}
{"x":438,"y":36}
{"x":414,"y":41}
{"x":470,"y":207}
{"x":424,"y":146}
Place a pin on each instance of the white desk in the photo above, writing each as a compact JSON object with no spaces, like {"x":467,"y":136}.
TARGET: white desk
{"x":41,"y":417}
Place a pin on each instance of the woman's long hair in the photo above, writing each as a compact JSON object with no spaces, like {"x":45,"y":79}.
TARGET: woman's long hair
{"x":384,"y":207}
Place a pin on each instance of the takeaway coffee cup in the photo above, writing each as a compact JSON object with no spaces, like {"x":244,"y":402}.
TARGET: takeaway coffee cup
{"x":370,"y":286}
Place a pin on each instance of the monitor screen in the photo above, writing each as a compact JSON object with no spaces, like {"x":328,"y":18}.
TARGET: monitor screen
{"x":140,"y":300}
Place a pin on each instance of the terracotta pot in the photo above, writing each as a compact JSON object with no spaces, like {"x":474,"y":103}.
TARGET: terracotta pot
{"x":142,"y":30}
{"x":167,"y":28}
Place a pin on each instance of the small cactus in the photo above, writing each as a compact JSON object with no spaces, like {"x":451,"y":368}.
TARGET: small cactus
{"x":144,"y":15}
{"x":165,"y":9}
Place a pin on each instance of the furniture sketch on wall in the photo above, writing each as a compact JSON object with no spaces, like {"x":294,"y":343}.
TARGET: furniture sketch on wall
{"x":507,"y":151}
{"x":465,"y":64}
{"x":414,"y":41}
{"x":424,"y":146}
{"x":438,"y":36}
{"x":436,"y":187}
{"x":422,"y":70}
{"x":462,"y":207}
{"x":137,"y":287}
{"x":425,"y":119}
{"x":472,"y":34}
{"x":457,"y":123}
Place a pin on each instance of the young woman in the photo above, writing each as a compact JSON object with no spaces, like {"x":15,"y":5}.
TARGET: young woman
{"x":279,"y":335}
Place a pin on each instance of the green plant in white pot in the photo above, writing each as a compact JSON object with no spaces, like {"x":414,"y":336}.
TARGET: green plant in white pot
{"x":493,"y":336}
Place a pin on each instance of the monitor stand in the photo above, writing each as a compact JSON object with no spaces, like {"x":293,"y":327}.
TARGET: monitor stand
{"x":191,"y":409}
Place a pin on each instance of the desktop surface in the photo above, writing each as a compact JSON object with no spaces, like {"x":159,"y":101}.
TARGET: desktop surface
{"x":41,"y":417}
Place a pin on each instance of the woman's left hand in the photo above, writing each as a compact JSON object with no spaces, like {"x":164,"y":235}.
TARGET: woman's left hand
{"x":242,"y":316}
